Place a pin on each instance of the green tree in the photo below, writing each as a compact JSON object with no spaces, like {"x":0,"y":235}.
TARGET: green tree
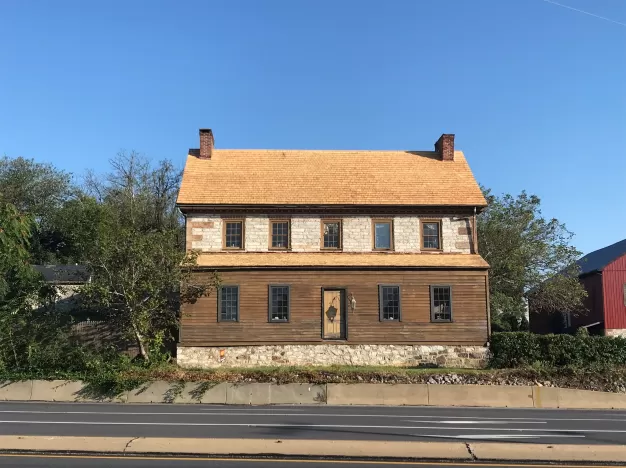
{"x":39,"y":190}
{"x":141,"y":271}
{"x":25,"y":326}
{"x":530,"y":257}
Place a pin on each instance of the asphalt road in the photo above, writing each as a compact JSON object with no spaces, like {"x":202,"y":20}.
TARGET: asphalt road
{"x":95,"y":462}
{"x":315,"y":422}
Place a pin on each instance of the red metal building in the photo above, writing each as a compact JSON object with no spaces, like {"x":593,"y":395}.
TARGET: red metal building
{"x":603,"y":274}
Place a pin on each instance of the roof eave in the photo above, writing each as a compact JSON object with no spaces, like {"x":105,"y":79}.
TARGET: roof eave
{"x":198,"y":207}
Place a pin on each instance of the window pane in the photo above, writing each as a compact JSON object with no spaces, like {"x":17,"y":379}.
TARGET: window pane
{"x":390,"y":302}
{"x":280,"y":235}
{"x":442,"y":308}
{"x":331,"y":235}
{"x":279,"y":303}
{"x":229,"y":307}
{"x":233,"y":235}
{"x":431,"y":235}
{"x":382,"y":233}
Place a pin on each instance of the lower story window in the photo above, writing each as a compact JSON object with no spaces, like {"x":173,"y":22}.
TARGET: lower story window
{"x":441,"y":304}
{"x":279,"y":304}
{"x":228,"y":304}
{"x":389,"y":303}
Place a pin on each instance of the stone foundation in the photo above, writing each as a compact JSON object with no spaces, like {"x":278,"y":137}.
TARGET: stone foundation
{"x":332,"y":354}
{"x":616,"y":332}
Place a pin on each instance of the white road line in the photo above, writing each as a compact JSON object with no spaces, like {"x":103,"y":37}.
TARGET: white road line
{"x":321,"y":414}
{"x":498,"y":436}
{"x":343,"y":426}
{"x":477,"y":422}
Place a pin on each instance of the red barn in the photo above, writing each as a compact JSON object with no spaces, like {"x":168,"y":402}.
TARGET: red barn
{"x":603,"y":274}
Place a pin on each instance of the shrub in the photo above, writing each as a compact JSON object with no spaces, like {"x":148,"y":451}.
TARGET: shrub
{"x":522,"y":349}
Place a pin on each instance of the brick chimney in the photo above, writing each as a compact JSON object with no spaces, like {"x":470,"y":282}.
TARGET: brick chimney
{"x":445,"y":147}
{"x":206,"y":143}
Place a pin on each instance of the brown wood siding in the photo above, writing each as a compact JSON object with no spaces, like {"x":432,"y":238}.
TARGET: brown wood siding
{"x":201,"y":328}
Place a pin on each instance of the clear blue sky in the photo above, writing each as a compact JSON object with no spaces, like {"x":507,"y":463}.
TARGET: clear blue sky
{"x":535,"y":92}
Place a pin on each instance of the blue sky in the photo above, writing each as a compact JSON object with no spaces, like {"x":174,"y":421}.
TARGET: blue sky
{"x":535,"y":92}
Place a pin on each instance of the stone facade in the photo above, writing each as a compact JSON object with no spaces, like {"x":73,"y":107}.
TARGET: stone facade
{"x":332,"y":354}
{"x":406,"y":234}
{"x":456,"y":235}
{"x":256,"y":232}
{"x":305,"y":234}
{"x":616,"y":332}
{"x":205,"y":234}
{"x":357,"y":234}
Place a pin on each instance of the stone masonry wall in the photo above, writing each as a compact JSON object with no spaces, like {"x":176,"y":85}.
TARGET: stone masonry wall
{"x":205,"y":234}
{"x":456,"y":235}
{"x":357,"y":234}
{"x":406,"y":234}
{"x":305,"y":234}
{"x":616,"y":332}
{"x":256,"y":232}
{"x":330,"y":354}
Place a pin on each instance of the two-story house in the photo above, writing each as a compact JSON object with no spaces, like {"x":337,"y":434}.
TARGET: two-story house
{"x":334,"y":257}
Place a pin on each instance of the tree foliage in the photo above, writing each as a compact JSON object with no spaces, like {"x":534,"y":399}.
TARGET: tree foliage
{"x":141,"y":269}
{"x":39,"y":190}
{"x":530,"y":256}
{"x":26,"y":324}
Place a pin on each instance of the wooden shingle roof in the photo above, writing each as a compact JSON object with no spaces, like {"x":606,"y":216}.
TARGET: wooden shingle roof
{"x":295,"y":177}
{"x":339,"y":259}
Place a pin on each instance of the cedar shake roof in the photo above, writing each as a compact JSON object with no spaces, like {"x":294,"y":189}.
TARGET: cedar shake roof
{"x":340,"y":259}
{"x":297,"y":177}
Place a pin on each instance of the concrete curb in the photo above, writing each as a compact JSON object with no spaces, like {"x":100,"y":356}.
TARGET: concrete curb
{"x":456,"y":451}
{"x":492,"y":396}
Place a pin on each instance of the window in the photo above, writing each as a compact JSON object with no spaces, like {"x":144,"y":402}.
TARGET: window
{"x":431,"y":235}
{"x":567,"y":319}
{"x":382,"y":235}
{"x":440,"y":304}
{"x":233,"y":234}
{"x":279,"y":235}
{"x":389,"y":303}
{"x":279,"y":303}
{"x":331,"y":235}
{"x":228,"y":302}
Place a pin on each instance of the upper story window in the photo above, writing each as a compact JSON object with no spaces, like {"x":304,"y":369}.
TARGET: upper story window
{"x":441,"y":303}
{"x":383,"y":234}
{"x":279,"y":234}
{"x":233,"y":234}
{"x":228,"y":304}
{"x":331,"y":234}
{"x":431,"y":235}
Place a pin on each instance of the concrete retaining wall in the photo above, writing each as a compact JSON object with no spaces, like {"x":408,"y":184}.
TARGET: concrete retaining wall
{"x":311,"y":394}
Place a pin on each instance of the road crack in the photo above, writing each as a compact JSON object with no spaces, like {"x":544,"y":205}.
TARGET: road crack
{"x":471,"y":451}
{"x":130,"y":442}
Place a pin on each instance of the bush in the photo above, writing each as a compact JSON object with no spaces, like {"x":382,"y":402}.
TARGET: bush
{"x":522,"y":349}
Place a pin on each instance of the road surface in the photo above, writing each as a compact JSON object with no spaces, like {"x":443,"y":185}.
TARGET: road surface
{"x":103,"y":462}
{"x":315,"y":422}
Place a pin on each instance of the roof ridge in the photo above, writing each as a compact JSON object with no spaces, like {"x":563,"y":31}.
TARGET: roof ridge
{"x":278,"y":150}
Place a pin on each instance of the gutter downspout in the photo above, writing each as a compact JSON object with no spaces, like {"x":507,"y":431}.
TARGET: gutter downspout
{"x":475,"y":233}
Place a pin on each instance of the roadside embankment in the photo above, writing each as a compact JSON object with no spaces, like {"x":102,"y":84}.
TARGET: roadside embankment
{"x":496,"y":396}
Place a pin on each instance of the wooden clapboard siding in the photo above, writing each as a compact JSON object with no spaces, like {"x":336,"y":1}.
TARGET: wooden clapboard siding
{"x":469,"y":308}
